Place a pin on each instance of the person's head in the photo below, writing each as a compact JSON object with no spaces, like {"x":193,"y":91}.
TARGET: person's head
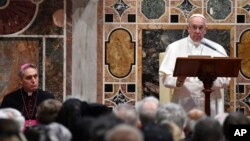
{"x":157,"y":132}
{"x":197,"y":27}
{"x":127,"y":113}
{"x":195,"y":114}
{"x":10,"y":131}
{"x":192,"y":117}
{"x":71,"y":110}
{"x":146,"y":109}
{"x":171,"y":112}
{"x":124,"y":132}
{"x":47,"y":111}
{"x":207,"y":129}
{"x":11,"y":113}
{"x":28,"y":74}
{"x":50,"y":132}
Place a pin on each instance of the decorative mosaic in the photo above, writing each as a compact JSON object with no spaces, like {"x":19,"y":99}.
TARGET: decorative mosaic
{"x":243,"y":51}
{"x":219,"y":10}
{"x":153,"y":9}
{"x":120,"y":53}
{"x":120,"y":94}
{"x":186,"y":7}
{"x":16,"y":15}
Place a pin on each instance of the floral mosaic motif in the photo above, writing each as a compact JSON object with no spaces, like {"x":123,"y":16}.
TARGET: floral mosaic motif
{"x":186,"y":7}
{"x":247,"y":7}
{"x":153,"y":9}
{"x":120,"y":6}
{"x":119,"y":98}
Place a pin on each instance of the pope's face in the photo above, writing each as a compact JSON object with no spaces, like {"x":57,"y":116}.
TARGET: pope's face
{"x":29,"y":80}
{"x":197,"y":28}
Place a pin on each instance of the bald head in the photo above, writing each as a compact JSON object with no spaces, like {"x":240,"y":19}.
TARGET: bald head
{"x":196,"y":114}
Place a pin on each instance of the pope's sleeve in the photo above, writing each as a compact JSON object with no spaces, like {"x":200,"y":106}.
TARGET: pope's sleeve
{"x":167,"y":68}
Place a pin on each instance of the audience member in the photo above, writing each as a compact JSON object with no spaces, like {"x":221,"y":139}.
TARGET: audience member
{"x":102,"y":125}
{"x":10,"y":130}
{"x":11,"y":113}
{"x":172,"y":112}
{"x":48,"y":132}
{"x":128,"y":114}
{"x":124,"y":132}
{"x":146,"y":109}
{"x":156,"y":132}
{"x":193,"y":116}
{"x":47,"y":111}
{"x":207,"y":129}
{"x":175,"y":130}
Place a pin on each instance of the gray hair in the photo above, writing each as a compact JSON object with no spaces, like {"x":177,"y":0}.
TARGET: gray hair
{"x":146,"y":108}
{"x":127,"y":113}
{"x":171,"y":112}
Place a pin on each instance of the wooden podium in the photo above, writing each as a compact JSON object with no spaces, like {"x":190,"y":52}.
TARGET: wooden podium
{"x":207,"y":69}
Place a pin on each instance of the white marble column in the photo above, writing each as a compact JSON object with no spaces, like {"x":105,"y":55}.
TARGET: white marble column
{"x":84,"y":49}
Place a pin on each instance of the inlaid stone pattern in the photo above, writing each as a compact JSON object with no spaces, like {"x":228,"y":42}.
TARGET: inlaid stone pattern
{"x":43,"y":23}
{"x":243,"y":88}
{"x":243,"y":98}
{"x":120,"y":59}
{"x":119,"y":94}
{"x":243,"y":51}
{"x":120,"y":11}
{"x":16,"y":15}
{"x":219,"y":9}
{"x":120,"y":53}
{"x":186,"y":7}
{"x":153,"y":9}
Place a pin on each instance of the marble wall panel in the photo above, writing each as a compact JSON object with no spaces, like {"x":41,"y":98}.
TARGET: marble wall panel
{"x":147,"y":11}
{"x":44,"y":23}
{"x":54,"y":67}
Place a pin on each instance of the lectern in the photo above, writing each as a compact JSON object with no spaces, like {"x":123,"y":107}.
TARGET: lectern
{"x":207,"y":69}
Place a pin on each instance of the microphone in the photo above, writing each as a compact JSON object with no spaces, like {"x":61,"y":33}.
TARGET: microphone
{"x":211,"y":47}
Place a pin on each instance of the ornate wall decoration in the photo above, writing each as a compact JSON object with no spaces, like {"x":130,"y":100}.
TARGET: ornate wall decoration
{"x":16,"y":15}
{"x":120,"y":53}
{"x":243,"y":51}
{"x":219,"y":10}
{"x":153,"y":9}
